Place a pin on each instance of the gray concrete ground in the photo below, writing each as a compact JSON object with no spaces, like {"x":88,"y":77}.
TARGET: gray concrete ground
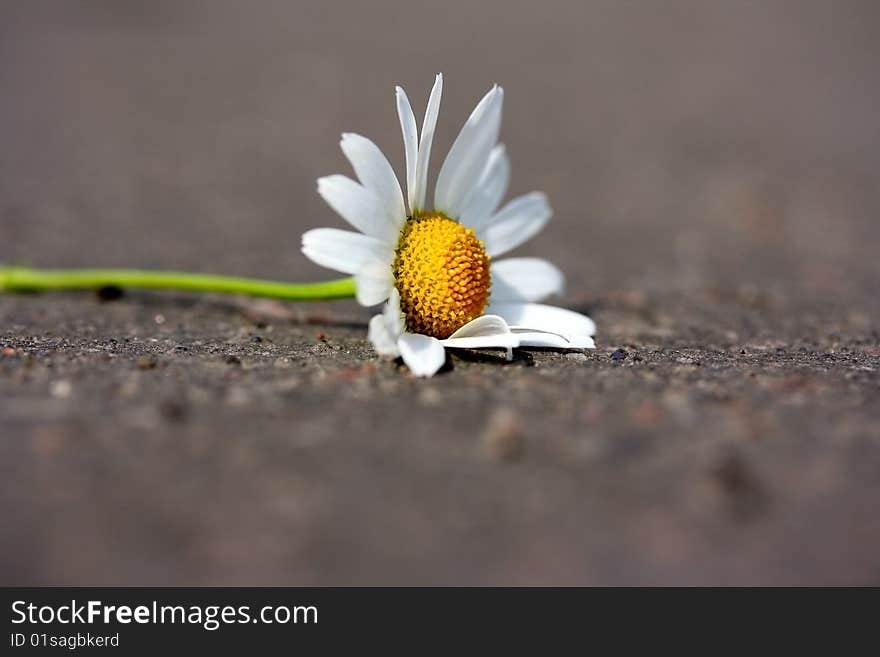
{"x":714,"y":172}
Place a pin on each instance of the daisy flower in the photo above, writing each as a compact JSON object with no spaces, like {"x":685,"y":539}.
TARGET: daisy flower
{"x":434,"y":264}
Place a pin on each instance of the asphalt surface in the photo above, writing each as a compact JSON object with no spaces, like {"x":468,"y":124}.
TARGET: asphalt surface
{"x":714,"y":172}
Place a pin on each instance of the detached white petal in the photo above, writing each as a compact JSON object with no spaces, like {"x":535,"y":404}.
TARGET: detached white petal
{"x":344,"y":250}
{"x":469,"y":153}
{"x":359,"y":206}
{"x":536,"y":316}
{"x":423,"y":354}
{"x":483,"y":325}
{"x":515,"y":223}
{"x":529,"y":338}
{"x":376,"y":174}
{"x":525,"y":279}
{"x":484,"y":332}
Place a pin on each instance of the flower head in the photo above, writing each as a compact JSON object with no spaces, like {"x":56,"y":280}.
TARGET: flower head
{"x":441,"y":271}
{"x":434,"y":264}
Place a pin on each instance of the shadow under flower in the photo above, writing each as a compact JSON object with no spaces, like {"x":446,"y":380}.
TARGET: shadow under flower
{"x":520,"y":357}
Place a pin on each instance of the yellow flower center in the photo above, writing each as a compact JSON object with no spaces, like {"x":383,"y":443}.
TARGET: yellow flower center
{"x":442,"y":273}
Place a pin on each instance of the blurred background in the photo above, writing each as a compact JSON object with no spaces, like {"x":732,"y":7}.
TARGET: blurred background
{"x":682,"y":143}
{"x":714,"y":167}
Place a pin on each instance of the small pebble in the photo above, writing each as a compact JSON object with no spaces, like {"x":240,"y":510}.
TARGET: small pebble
{"x":60,"y":389}
{"x":146,"y":363}
{"x":430,"y":397}
{"x":502,"y":439}
{"x":237,"y":396}
{"x":232,"y":359}
{"x":618,"y":355}
{"x":647,"y":414}
{"x":577,"y":357}
{"x":288,"y":384}
{"x":173,"y":411}
{"x":740,"y":488}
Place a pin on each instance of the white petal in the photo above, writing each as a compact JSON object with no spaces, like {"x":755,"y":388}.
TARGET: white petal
{"x":359,"y":206}
{"x":536,"y":316}
{"x":525,"y":279}
{"x":383,"y":340}
{"x":394,"y":319}
{"x":410,"y":141}
{"x":344,"y":250}
{"x":423,"y":354}
{"x":529,"y":338}
{"x":373,"y":283}
{"x":376,"y":174}
{"x":517,"y":222}
{"x":420,"y":187}
{"x":469,"y":153}
{"x":482,"y":325}
{"x":484,"y":332}
{"x":491,"y":188}
{"x":386,"y":328}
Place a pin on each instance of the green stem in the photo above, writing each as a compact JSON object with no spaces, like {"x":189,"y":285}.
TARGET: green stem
{"x":25,"y":279}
